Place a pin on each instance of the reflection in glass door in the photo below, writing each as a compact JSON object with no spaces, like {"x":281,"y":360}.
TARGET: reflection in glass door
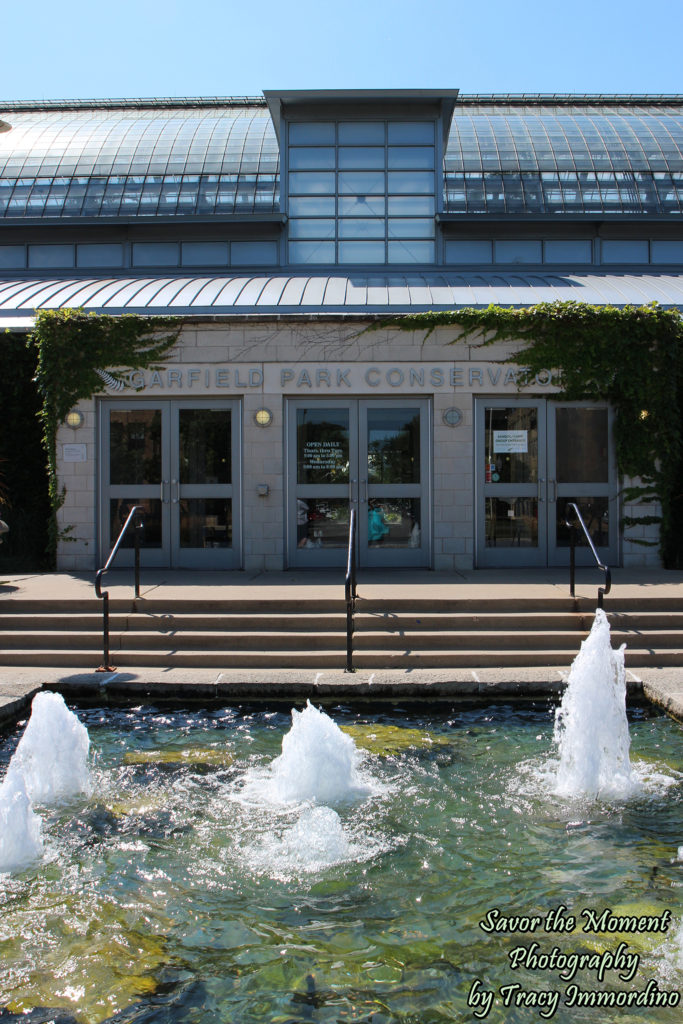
{"x":373,"y":455}
{"x":533,"y":457}
{"x":177,"y":460}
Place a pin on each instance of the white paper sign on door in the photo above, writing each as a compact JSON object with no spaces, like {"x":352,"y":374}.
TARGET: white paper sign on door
{"x":510,"y":441}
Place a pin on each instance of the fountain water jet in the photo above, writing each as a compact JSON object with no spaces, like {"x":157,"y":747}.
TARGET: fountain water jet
{"x":20,"y":828}
{"x":591,"y":728}
{"x":52,"y":755}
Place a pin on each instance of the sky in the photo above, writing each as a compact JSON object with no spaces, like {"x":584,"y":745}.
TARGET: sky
{"x":141,"y":48}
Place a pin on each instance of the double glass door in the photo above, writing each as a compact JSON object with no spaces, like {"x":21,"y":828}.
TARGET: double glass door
{"x":369,"y":454}
{"x":532,"y":458}
{"x":179,"y":461}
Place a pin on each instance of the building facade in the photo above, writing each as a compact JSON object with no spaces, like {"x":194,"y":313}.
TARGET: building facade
{"x":286,"y":232}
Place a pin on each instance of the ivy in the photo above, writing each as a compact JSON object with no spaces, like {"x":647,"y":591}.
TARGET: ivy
{"x":70,"y":347}
{"x":631,"y":357}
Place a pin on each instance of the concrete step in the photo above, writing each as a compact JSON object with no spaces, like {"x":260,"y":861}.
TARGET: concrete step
{"x":312,"y":660}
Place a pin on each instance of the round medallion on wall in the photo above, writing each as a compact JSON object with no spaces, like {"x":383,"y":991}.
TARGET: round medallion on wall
{"x":452,"y":417}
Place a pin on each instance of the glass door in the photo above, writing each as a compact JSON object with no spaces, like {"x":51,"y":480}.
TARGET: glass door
{"x":511,"y":471}
{"x":180,"y":462}
{"x":582,"y":469}
{"x":532,"y":458}
{"x":371,"y":455}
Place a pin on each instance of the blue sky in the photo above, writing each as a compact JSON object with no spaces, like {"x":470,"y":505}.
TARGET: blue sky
{"x":86,"y":49}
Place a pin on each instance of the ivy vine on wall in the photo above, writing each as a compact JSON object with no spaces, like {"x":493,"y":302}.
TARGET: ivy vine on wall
{"x":70,"y":347}
{"x":631,"y":357}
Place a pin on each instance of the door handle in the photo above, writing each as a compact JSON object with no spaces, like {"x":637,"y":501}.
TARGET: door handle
{"x":177,"y":493}
{"x":351,"y":498}
{"x":541,"y":480}
{"x":162,"y":485}
{"x":365,"y":498}
{"x":553,"y":483}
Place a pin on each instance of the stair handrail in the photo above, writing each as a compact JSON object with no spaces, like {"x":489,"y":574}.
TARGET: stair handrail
{"x":572,"y":552}
{"x":350,"y":591}
{"x":136,"y":514}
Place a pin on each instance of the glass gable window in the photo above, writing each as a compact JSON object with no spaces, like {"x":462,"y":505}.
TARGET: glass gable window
{"x":362,"y":192}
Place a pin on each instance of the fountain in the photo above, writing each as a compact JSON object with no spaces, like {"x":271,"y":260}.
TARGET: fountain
{"x":49,"y":766}
{"x":591,"y":728}
{"x":370,"y":866}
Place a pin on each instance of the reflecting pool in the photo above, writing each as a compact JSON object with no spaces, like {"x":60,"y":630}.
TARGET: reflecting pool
{"x":394,"y":878}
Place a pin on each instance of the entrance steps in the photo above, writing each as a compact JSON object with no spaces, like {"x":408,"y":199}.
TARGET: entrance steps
{"x":404,"y":632}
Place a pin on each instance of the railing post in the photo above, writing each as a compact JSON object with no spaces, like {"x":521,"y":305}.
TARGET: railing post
{"x":105,"y":666}
{"x":572,"y":559}
{"x":137,"y":537}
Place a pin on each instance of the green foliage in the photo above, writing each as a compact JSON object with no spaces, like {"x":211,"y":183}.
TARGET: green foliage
{"x":631,"y":357}
{"x":70,"y":346}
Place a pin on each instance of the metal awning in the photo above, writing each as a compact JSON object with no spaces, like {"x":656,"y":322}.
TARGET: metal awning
{"x":338,"y":292}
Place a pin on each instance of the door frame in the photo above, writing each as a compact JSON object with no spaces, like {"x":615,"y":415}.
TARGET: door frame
{"x":545,"y":489}
{"x":359,"y":491}
{"x":170,"y":491}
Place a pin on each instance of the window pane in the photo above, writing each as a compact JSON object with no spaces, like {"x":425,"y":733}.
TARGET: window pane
{"x":322,"y":522}
{"x":311,"y":183}
{"x":119,"y":509}
{"x":361,"y":133}
{"x":361,"y":182}
{"x":311,"y":157}
{"x":411,"y":181}
{"x":361,"y":157}
{"x":595,"y":514}
{"x":411,"y":252}
{"x":134,"y":446}
{"x":511,"y":523}
{"x":312,"y":206}
{"x":304,"y":133}
{"x":582,"y":445}
{"x":311,"y":252}
{"x":352,"y":227}
{"x":394,"y":523}
{"x":415,"y":132}
{"x":205,"y":523}
{"x":361,"y":206}
{"x":313,"y":228}
{"x":361,"y":252}
{"x":411,"y":156}
{"x":511,"y":455}
{"x":411,"y":206}
{"x":393,"y":446}
{"x":411,"y":227}
{"x":322,"y":446}
{"x":205,"y":446}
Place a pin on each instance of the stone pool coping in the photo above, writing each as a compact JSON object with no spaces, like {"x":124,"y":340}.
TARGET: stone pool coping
{"x":663,"y":687}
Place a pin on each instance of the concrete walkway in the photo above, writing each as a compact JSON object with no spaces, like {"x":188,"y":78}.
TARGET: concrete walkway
{"x":663,"y":686}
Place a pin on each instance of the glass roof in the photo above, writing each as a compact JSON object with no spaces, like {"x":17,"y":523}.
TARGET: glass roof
{"x":564,"y":160}
{"x":133,"y":161}
{"x":505,"y":155}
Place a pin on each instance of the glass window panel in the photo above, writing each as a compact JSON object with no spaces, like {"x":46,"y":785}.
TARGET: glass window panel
{"x":322,"y":522}
{"x":410,"y":227}
{"x":311,"y":228}
{"x":511,"y":445}
{"x":361,"y":252}
{"x":582,"y":445}
{"x":361,"y":133}
{"x":311,"y":252}
{"x":312,"y":183}
{"x":119,"y":510}
{"x":319,"y":157}
{"x":525,"y":250}
{"x":134,"y":446}
{"x":255,"y":254}
{"x":99,"y":254}
{"x":322,"y":446}
{"x":13,"y":256}
{"x":595,"y":514}
{"x":351,"y":157}
{"x":50,"y":256}
{"x":411,"y":206}
{"x":307,"y":133}
{"x":362,"y":206}
{"x":361,"y":182}
{"x":411,"y":252}
{"x":205,"y":523}
{"x":393,"y":446}
{"x":312,"y":206}
{"x":469,"y":251}
{"x":571,"y":250}
{"x":208,"y":254}
{"x":394,"y":523}
{"x":418,"y":157}
{"x":511,"y":523}
{"x":411,"y":181}
{"x":205,"y":446}
{"x":356,"y":227}
{"x":155,"y":254}
{"x":411,"y":132}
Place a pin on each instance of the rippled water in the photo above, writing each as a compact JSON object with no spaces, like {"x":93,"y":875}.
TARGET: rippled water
{"x":179,"y":890}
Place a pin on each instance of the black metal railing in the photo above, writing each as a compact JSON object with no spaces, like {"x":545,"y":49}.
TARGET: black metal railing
{"x":350,"y":591}
{"x":135,"y":516}
{"x":571,"y":523}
